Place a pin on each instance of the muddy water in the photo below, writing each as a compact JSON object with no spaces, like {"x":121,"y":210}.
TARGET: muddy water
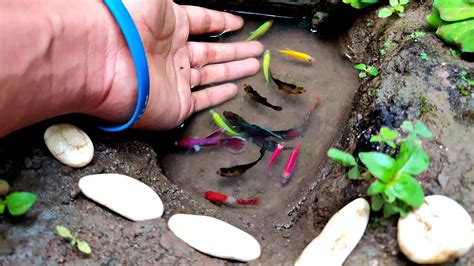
{"x":329,"y":77}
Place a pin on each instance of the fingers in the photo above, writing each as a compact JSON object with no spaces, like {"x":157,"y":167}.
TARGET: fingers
{"x":224,"y":72}
{"x":202,"y":53}
{"x":203,"y":20}
{"x":213,"y":96}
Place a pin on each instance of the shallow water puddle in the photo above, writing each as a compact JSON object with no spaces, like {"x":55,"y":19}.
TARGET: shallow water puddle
{"x":329,"y":77}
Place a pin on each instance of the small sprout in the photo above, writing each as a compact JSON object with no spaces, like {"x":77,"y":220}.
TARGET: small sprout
{"x":424,"y":56}
{"x":390,"y":44}
{"x":416,"y":35}
{"x":383,"y":52}
{"x":373,"y":91}
{"x":344,"y":158}
{"x":397,"y":7}
{"x":387,"y":136}
{"x":454,"y":52}
{"x":73,"y":239}
{"x":17,"y":203}
{"x":464,"y":83}
{"x":364,"y":70}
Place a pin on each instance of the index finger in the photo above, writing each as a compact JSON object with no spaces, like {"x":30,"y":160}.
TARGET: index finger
{"x":203,"y":20}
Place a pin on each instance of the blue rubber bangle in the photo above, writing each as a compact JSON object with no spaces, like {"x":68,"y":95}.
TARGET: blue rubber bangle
{"x":135,"y":45}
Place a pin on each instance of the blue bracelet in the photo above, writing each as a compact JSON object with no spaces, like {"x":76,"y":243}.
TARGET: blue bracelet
{"x":135,"y":45}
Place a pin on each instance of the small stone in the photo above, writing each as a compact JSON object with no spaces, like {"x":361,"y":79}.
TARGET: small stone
{"x":124,"y":195}
{"x":339,"y":237}
{"x":215,"y":237}
{"x":436,"y":232}
{"x":69,"y":144}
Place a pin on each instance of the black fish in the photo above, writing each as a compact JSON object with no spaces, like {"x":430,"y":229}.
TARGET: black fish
{"x":239,"y":170}
{"x":252,"y":131}
{"x":291,"y":89}
{"x":260,"y":99}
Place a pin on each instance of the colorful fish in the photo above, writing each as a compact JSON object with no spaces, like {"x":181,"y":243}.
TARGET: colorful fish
{"x":266,"y":65}
{"x":233,"y":144}
{"x":298,"y":131}
{"x":288,"y":88}
{"x":290,"y":164}
{"x":299,"y":56}
{"x":219,"y":198}
{"x":252,"y":131}
{"x":275,"y":155}
{"x":258,"y":98}
{"x":222,"y":124}
{"x":239,"y":170}
{"x":259,"y":31}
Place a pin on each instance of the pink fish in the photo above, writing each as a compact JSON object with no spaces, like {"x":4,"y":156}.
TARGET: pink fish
{"x":233,"y":144}
{"x":216,"y":197}
{"x":275,"y":155}
{"x":290,"y":165}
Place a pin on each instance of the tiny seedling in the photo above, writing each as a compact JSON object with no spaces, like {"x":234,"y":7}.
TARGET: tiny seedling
{"x":464,"y":83}
{"x":416,"y":35}
{"x":358,"y":4}
{"x":17,"y":203}
{"x":396,"y":6}
{"x":73,"y":239}
{"x":393,"y":187}
{"x":424,"y":56}
{"x":364,"y":70}
{"x":373,"y":91}
{"x":387,"y":45}
{"x":454,"y":52}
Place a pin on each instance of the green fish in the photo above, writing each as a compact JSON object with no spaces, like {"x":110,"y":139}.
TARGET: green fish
{"x":260,"y":31}
{"x":222,"y":124}
{"x":266,"y":65}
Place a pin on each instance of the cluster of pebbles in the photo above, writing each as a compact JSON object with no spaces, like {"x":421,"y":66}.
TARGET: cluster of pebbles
{"x":438,"y":231}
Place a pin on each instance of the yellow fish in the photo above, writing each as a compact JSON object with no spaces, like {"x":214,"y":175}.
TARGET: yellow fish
{"x":302,"y":57}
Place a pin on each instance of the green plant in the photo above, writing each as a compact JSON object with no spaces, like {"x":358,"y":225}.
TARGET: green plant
{"x":396,"y":6}
{"x":464,"y":84}
{"x":73,"y":239}
{"x":393,"y":187}
{"x":17,"y":203}
{"x":387,"y":45}
{"x":454,"y":52}
{"x":416,"y":35}
{"x":387,"y":136}
{"x":424,"y":56}
{"x":358,"y":4}
{"x":454,"y":22}
{"x":364,"y":70}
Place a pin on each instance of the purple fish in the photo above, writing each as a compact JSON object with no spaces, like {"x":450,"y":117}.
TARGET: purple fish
{"x":234,"y":144}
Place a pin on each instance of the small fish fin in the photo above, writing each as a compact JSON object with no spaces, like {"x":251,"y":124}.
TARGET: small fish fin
{"x":254,"y":201}
{"x":234,"y":144}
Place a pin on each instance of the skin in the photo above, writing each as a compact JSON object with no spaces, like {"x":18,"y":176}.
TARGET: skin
{"x":55,"y":61}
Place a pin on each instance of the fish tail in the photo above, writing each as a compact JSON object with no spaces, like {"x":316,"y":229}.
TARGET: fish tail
{"x":276,"y":108}
{"x":253,"y":201}
{"x":234,"y":144}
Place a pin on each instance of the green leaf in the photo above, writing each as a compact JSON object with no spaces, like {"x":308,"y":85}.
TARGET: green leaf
{"x":360,"y":67}
{"x":376,"y":203}
{"x":372,"y":71}
{"x":362,"y":75}
{"x":422,"y":130}
{"x":393,"y":2}
{"x":407,"y":189}
{"x":73,"y":241}
{"x":375,"y":138}
{"x":2,"y":206}
{"x":390,"y":196}
{"x":389,"y":210}
{"x":385,"y":12}
{"x":455,"y":52}
{"x":454,"y":10}
{"x":344,"y":158}
{"x":412,"y":159}
{"x":379,"y":165}
{"x":391,"y":144}
{"x":403,"y":2}
{"x":64,"y":232}
{"x":433,"y":19}
{"x":19,"y":203}
{"x":399,"y":8}
{"x":388,"y":134}
{"x":407,"y":126}
{"x":354,"y":173}
{"x":375,"y":188}
{"x":84,"y":247}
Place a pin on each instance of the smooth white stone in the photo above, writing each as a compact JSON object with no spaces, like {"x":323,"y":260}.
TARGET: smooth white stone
{"x":339,"y":237}
{"x":214,"y":237}
{"x":438,"y":231}
{"x":69,"y":144}
{"x":124,"y":195}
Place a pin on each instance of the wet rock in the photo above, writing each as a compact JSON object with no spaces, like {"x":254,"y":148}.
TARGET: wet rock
{"x":438,"y":231}
{"x":69,"y":144}
{"x":124,"y":195}
{"x":214,"y":237}
{"x":339,"y":237}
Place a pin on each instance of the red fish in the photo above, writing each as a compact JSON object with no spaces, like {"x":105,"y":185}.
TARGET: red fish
{"x":275,"y":155}
{"x":233,"y":144}
{"x":216,"y":197}
{"x":290,"y":165}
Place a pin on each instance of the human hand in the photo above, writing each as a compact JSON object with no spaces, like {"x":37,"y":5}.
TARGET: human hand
{"x":176,"y":65}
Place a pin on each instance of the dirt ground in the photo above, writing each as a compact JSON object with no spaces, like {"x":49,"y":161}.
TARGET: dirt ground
{"x":407,"y":88}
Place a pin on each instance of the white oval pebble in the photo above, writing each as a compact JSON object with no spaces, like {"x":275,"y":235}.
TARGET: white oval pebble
{"x":214,"y":237}
{"x":69,"y":144}
{"x":438,"y":231}
{"x":124,"y":195}
{"x":339,"y":237}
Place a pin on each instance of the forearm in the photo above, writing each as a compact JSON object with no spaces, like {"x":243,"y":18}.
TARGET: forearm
{"x":54,"y":59}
